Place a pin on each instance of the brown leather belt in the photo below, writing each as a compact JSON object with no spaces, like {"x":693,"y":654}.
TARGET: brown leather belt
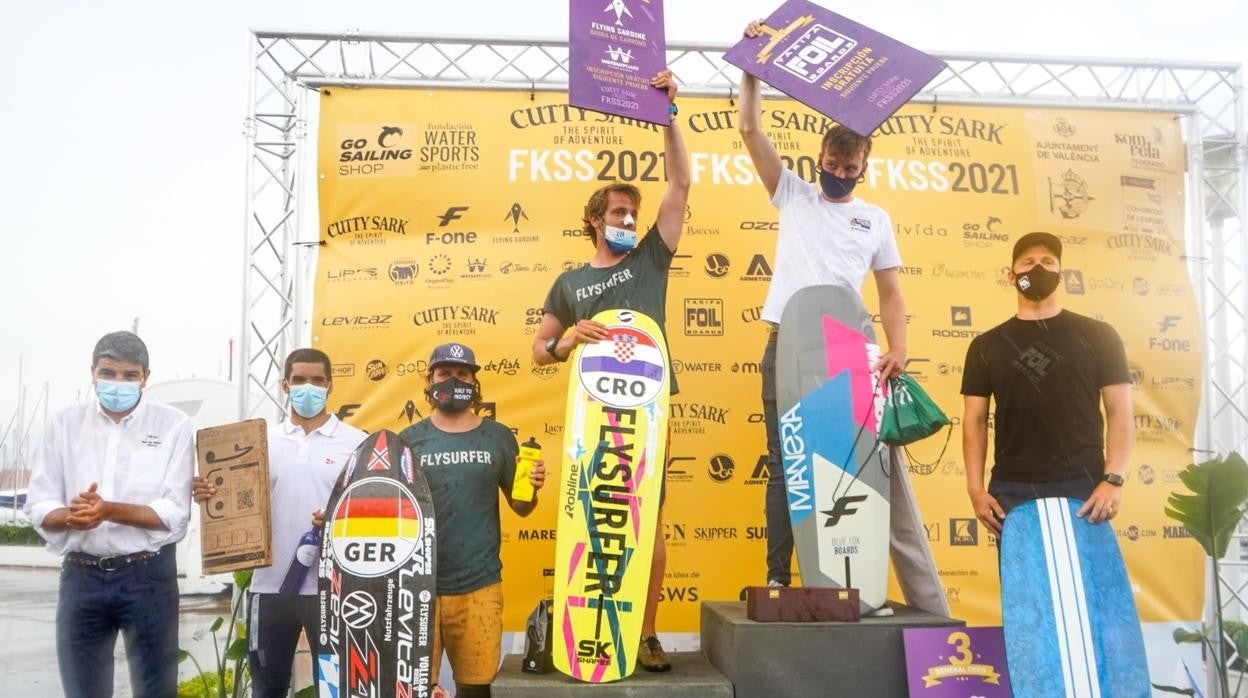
{"x":109,"y":563}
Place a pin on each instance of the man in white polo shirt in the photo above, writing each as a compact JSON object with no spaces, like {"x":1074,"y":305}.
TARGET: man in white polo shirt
{"x":306,"y":454}
{"x":110,"y":490}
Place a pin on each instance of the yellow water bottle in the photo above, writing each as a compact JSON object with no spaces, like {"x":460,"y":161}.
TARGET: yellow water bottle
{"x":522,"y":487}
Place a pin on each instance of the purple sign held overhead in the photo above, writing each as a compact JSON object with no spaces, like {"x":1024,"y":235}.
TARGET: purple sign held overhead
{"x":834,"y":65}
{"x":614,"y":48}
{"x":956,"y":663}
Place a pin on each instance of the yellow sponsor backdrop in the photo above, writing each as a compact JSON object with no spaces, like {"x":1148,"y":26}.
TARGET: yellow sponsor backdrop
{"x":447,"y":215}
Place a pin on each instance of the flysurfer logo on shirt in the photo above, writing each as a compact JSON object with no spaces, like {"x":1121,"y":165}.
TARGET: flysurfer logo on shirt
{"x":860,"y":224}
{"x":454,"y":458}
{"x":614,"y":280}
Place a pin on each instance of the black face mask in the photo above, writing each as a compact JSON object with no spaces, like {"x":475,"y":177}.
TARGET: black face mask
{"x":452,"y":395}
{"x":1036,"y":283}
{"x":836,"y":187}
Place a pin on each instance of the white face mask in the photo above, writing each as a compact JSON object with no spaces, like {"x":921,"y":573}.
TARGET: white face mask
{"x":621,"y":240}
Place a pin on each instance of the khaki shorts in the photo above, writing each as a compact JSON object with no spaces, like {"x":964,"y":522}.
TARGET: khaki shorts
{"x":470,"y":628}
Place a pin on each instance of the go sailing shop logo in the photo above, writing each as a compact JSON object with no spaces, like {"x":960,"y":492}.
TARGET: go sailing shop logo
{"x":377,"y":150}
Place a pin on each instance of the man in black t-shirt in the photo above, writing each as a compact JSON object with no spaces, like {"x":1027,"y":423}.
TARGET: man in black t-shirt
{"x":1049,"y":371}
{"x":624,"y":273}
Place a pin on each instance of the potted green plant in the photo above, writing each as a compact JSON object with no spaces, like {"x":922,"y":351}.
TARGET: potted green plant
{"x":1210,"y":511}
{"x":229,"y":680}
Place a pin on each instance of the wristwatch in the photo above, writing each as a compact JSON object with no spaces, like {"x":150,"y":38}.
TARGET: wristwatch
{"x":551,"y":345}
{"x":1113,"y":478}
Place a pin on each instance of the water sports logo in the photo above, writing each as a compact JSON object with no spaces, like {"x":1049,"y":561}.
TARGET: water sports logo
{"x":376,"y":527}
{"x":625,"y":372}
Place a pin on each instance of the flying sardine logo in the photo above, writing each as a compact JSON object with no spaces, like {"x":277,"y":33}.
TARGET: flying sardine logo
{"x":620,"y":9}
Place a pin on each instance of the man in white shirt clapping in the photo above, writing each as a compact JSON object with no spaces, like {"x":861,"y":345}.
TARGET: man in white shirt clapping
{"x":110,"y":490}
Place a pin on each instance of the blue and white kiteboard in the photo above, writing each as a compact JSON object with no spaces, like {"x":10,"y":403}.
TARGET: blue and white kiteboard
{"x":1071,"y":628}
{"x":836,"y":471}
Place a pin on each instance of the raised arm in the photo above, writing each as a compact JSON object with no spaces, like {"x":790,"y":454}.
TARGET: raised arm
{"x":766,"y":160}
{"x":671,"y":218}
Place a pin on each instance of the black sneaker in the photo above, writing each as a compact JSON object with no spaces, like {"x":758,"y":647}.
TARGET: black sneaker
{"x":651,"y":656}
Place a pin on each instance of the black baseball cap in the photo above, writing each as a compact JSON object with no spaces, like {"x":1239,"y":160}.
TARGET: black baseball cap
{"x":453,"y":353}
{"x":1047,"y":240}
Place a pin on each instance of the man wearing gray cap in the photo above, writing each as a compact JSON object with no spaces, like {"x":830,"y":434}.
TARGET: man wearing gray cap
{"x":1049,"y":371}
{"x":467,"y":460}
{"x":110,"y":490}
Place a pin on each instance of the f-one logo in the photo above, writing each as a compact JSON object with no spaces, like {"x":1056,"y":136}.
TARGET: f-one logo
{"x":704,"y":317}
{"x":843,"y":507}
{"x":815,"y":53}
{"x":452,"y":213}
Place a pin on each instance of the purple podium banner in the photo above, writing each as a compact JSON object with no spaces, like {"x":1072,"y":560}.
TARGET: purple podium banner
{"x":614,"y":48}
{"x":956,"y":663}
{"x":841,"y":69}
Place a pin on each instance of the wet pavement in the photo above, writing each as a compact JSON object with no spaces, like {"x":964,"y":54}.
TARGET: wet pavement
{"x":28,"y":634}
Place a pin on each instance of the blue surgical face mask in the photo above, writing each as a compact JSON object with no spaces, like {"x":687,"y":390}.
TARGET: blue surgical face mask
{"x":307,"y":399}
{"x":117,"y":396}
{"x":836,"y":187}
{"x":621,"y":240}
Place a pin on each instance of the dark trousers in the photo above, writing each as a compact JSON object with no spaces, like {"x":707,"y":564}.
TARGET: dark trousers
{"x":273,"y":625}
{"x":139,"y":600}
{"x":779,"y":528}
{"x":1010,"y":494}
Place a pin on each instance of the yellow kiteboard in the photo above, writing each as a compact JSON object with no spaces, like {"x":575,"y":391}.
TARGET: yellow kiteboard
{"x":614,"y":445}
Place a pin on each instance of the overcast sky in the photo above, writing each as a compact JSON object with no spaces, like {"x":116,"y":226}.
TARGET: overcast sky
{"x":122,"y":168}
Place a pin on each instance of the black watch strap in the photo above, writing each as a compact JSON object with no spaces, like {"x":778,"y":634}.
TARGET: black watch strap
{"x":1114,"y":479}
{"x":551,"y":345}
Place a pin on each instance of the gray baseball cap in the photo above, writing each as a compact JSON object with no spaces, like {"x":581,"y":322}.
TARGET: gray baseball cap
{"x":453,"y":353}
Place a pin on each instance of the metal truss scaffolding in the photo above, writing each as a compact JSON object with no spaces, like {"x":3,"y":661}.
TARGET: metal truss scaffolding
{"x":1208,"y":96}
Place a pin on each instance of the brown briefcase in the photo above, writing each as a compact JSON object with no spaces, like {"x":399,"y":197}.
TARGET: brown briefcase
{"x":801,"y":604}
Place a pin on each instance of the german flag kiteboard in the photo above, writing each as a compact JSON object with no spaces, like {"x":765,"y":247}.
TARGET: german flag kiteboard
{"x":376,"y":586}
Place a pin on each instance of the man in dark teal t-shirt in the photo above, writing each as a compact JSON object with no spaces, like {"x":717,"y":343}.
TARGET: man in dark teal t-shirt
{"x":467,"y":460}
{"x":624,"y":273}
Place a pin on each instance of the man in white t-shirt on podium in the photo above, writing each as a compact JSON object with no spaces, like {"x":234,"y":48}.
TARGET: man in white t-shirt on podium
{"x":829,"y":237}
